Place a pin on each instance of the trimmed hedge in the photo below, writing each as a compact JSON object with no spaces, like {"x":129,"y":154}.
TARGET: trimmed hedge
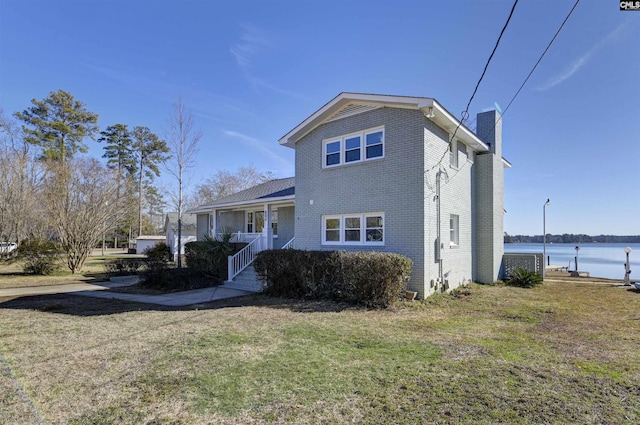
{"x":372,"y":279}
{"x":209,"y":257}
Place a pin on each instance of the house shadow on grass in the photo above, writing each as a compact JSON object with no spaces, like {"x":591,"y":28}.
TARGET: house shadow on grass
{"x":83,"y":306}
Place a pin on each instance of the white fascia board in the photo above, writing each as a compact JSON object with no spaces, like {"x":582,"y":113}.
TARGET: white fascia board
{"x":344,"y":98}
{"x":278,"y":200}
{"x":449,"y":123}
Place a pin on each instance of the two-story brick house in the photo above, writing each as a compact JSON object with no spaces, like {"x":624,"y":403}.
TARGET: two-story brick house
{"x":377,"y":172}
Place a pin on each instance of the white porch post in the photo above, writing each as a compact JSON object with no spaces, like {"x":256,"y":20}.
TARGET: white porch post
{"x":213,"y":223}
{"x":267,"y":231}
{"x":217,"y":222}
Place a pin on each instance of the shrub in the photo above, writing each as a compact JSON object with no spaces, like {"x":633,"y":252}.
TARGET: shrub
{"x":296,"y":273}
{"x":209,"y":257}
{"x":524,"y":279}
{"x":123,"y":266}
{"x":199,"y":258}
{"x":40,"y":256}
{"x":173,"y":279}
{"x":156,"y":264}
{"x":158,"y":252}
{"x":373,"y":279}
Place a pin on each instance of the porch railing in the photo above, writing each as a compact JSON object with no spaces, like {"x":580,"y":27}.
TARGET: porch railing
{"x":241,"y":237}
{"x":244,"y":257}
{"x":289,"y":244}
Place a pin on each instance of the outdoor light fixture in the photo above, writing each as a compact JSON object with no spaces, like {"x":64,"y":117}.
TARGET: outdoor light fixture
{"x":430,"y":113}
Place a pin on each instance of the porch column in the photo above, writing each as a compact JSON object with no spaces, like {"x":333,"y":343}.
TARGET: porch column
{"x":267,"y":231}
{"x":213,"y":223}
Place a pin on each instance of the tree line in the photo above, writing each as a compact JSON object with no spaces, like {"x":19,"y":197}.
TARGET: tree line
{"x":49,"y":191}
{"x":571,"y":238}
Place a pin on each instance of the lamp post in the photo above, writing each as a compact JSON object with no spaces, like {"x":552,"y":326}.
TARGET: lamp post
{"x":627,"y":269}
{"x":544,"y":237}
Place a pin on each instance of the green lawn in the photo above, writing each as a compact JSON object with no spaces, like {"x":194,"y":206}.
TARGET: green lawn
{"x":566,"y":352}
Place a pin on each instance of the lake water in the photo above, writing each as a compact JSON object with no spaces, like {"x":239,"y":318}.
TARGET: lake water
{"x":599,"y":259}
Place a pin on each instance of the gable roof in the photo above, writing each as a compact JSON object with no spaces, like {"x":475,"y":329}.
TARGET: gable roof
{"x":347,"y":104}
{"x":188,"y":221}
{"x":272,"y":190}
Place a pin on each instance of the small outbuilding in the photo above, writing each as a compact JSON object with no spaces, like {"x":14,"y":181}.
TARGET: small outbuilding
{"x":147,"y":241}
{"x":171,"y":230}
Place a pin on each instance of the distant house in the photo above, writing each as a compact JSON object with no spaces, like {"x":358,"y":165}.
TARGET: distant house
{"x":147,"y":241}
{"x":171,"y":231}
{"x":381,"y":173}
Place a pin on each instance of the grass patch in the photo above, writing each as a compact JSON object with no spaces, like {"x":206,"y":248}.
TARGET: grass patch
{"x":12,"y":276}
{"x":309,"y":363}
{"x":489,"y":355}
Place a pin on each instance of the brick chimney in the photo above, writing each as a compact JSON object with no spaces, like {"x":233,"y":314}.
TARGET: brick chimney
{"x":489,"y":200}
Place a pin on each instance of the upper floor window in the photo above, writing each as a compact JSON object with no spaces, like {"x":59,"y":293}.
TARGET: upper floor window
{"x":457,"y":153}
{"x":356,"y":147}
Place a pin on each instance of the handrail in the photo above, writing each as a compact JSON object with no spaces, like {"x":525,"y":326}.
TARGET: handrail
{"x":289,"y":244}
{"x":241,"y":237}
{"x":240,"y":260}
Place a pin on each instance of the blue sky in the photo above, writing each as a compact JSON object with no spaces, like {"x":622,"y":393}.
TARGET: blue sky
{"x":252,"y":70}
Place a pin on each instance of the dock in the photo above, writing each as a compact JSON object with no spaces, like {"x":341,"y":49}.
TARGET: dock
{"x":557,"y":268}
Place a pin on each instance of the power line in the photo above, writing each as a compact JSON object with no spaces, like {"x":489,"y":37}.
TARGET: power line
{"x":536,"y":65}
{"x":465,"y":113}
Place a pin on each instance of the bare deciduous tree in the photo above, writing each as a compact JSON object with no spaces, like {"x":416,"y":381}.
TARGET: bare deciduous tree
{"x":183,"y":140}
{"x":224,"y":183}
{"x":81,"y":199}
{"x":21,"y":215}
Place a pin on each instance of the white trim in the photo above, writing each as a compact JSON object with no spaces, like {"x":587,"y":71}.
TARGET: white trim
{"x":253,"y":223}
{"x":454,"y":160}
{"x":343,"y":99}
{"x":454,"y":230}
{"x":342,"y":229}
{"x":342,"y":141}
{"x":280,"y":200}
{"x":442,"y":117}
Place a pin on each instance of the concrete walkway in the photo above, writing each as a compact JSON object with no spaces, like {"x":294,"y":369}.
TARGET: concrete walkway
{"x":101,"y":290}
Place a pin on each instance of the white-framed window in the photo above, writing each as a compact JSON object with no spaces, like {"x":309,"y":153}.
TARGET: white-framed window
{"x":353,"y":229}
{"x":454,"y":230}
{"x":457,"y":152}
{"x":255,"y":221}
{"x":355,"y":147}
{"x":453,"y":154}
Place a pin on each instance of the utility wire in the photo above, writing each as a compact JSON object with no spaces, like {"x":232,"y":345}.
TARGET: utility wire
{"x":535,"y":66}
{"x":465,"y":114}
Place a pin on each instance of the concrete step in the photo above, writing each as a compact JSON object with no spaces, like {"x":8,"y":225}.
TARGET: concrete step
{"x":244,"y":286}
{"x":247,"y":280}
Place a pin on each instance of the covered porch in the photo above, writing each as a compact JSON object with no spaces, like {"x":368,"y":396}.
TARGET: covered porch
{"x":262,"y":216}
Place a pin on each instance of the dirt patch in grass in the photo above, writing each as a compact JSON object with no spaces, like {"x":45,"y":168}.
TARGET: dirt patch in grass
{"x":561,"y":353}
